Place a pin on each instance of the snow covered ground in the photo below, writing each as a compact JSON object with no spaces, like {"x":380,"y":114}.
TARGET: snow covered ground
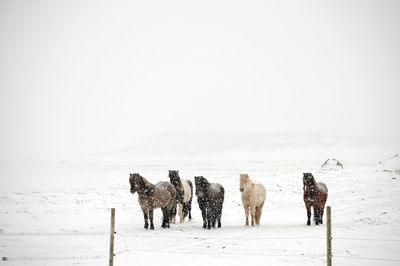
{"x":53,"y":211}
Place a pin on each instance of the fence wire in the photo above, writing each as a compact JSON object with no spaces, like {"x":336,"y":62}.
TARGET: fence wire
{"x":52,"y":258}
{"x":222,"y":238}
{"x":124,"y":236}
{"x":49,"y":234}
{"x":365,"y":258}
{"x":125,"y":244}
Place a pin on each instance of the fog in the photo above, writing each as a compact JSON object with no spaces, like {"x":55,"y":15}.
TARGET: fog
{"x":94,"y":76}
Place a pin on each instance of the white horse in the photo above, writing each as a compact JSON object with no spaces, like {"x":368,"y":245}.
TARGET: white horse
{"x":253,"y":197}
{"x":184,"y":195}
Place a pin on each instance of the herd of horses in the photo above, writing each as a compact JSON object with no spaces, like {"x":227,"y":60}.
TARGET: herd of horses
{"x":178,"y":194}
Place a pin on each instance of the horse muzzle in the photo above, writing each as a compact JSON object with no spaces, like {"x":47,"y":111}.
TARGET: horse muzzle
{"x":241,"y":189}
{"x":132,"y":191}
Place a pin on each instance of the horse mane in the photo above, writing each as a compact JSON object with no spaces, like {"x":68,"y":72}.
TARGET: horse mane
{"x":145,"y":185}
{"x":313,"y":180}
{"x":205,"y":181}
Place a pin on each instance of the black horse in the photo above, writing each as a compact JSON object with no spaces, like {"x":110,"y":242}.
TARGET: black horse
{"x":210,"y":197}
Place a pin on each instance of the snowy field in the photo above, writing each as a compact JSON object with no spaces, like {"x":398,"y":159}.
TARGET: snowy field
{"x":58,"y":213}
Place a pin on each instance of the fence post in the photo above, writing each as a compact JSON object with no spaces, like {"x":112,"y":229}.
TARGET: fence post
{"x":329,"y":236}
{"x":112,"y":232}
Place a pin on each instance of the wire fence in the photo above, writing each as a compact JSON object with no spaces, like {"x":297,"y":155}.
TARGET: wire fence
{"x":366,"y":258}
{"x":128,"y":235}
{"x":123,"y":239}
{"x":53,"y":258}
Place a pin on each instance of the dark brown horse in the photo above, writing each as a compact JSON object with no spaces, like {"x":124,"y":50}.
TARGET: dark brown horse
{"x":161,"y":195}
{"x":315,"y":196}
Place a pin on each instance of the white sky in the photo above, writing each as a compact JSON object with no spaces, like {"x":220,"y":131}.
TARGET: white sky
{"x":92,"y":75}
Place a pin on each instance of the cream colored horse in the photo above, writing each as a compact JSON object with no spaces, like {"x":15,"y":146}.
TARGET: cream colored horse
{"x":253,"y":197}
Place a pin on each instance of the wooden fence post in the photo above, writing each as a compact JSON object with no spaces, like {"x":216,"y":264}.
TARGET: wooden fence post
{"x":328,"y":236}
{"x":112,"y":232}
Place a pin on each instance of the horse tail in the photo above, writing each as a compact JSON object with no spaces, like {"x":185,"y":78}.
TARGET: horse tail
{"x":172,"y":203}
{"x":187,"y":206}
{"x":191,"y":190}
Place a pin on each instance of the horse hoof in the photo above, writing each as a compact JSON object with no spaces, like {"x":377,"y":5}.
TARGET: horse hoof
{"x":308,"y":223}
{"x":152,"y":227}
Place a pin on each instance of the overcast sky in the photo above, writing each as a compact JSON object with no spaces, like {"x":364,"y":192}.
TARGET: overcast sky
{"x":92,"y":75}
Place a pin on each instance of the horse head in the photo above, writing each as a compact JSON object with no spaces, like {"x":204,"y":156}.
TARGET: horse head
{"x":140,"y":184}
{"x":309,"y":184}
{"x":202,"y":186}
{"x":244,"y":179}
{"x":174,"y":177}
{"x":133,"y":181}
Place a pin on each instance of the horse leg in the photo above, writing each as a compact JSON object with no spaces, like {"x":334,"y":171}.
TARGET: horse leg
{"x":219,"y":216}
{"x":246,"y":211}
{"x":308,"y":214}
{"x":316,"y":214}
{"x":213,"y":218}
{"x":173,"y":214}
{"x":165,"y":216}
{"x":321,"y":214}
{"x":180,"y":208}
{"x":146,"y":224}
{"x":185,"y":209}
{"x":204,"y":215}
{"x":258,"y":214}
{"x":252,"y":212}
{"x":209,"y":217}
{"x":190,"y":209}
{"x":151,"y":218}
